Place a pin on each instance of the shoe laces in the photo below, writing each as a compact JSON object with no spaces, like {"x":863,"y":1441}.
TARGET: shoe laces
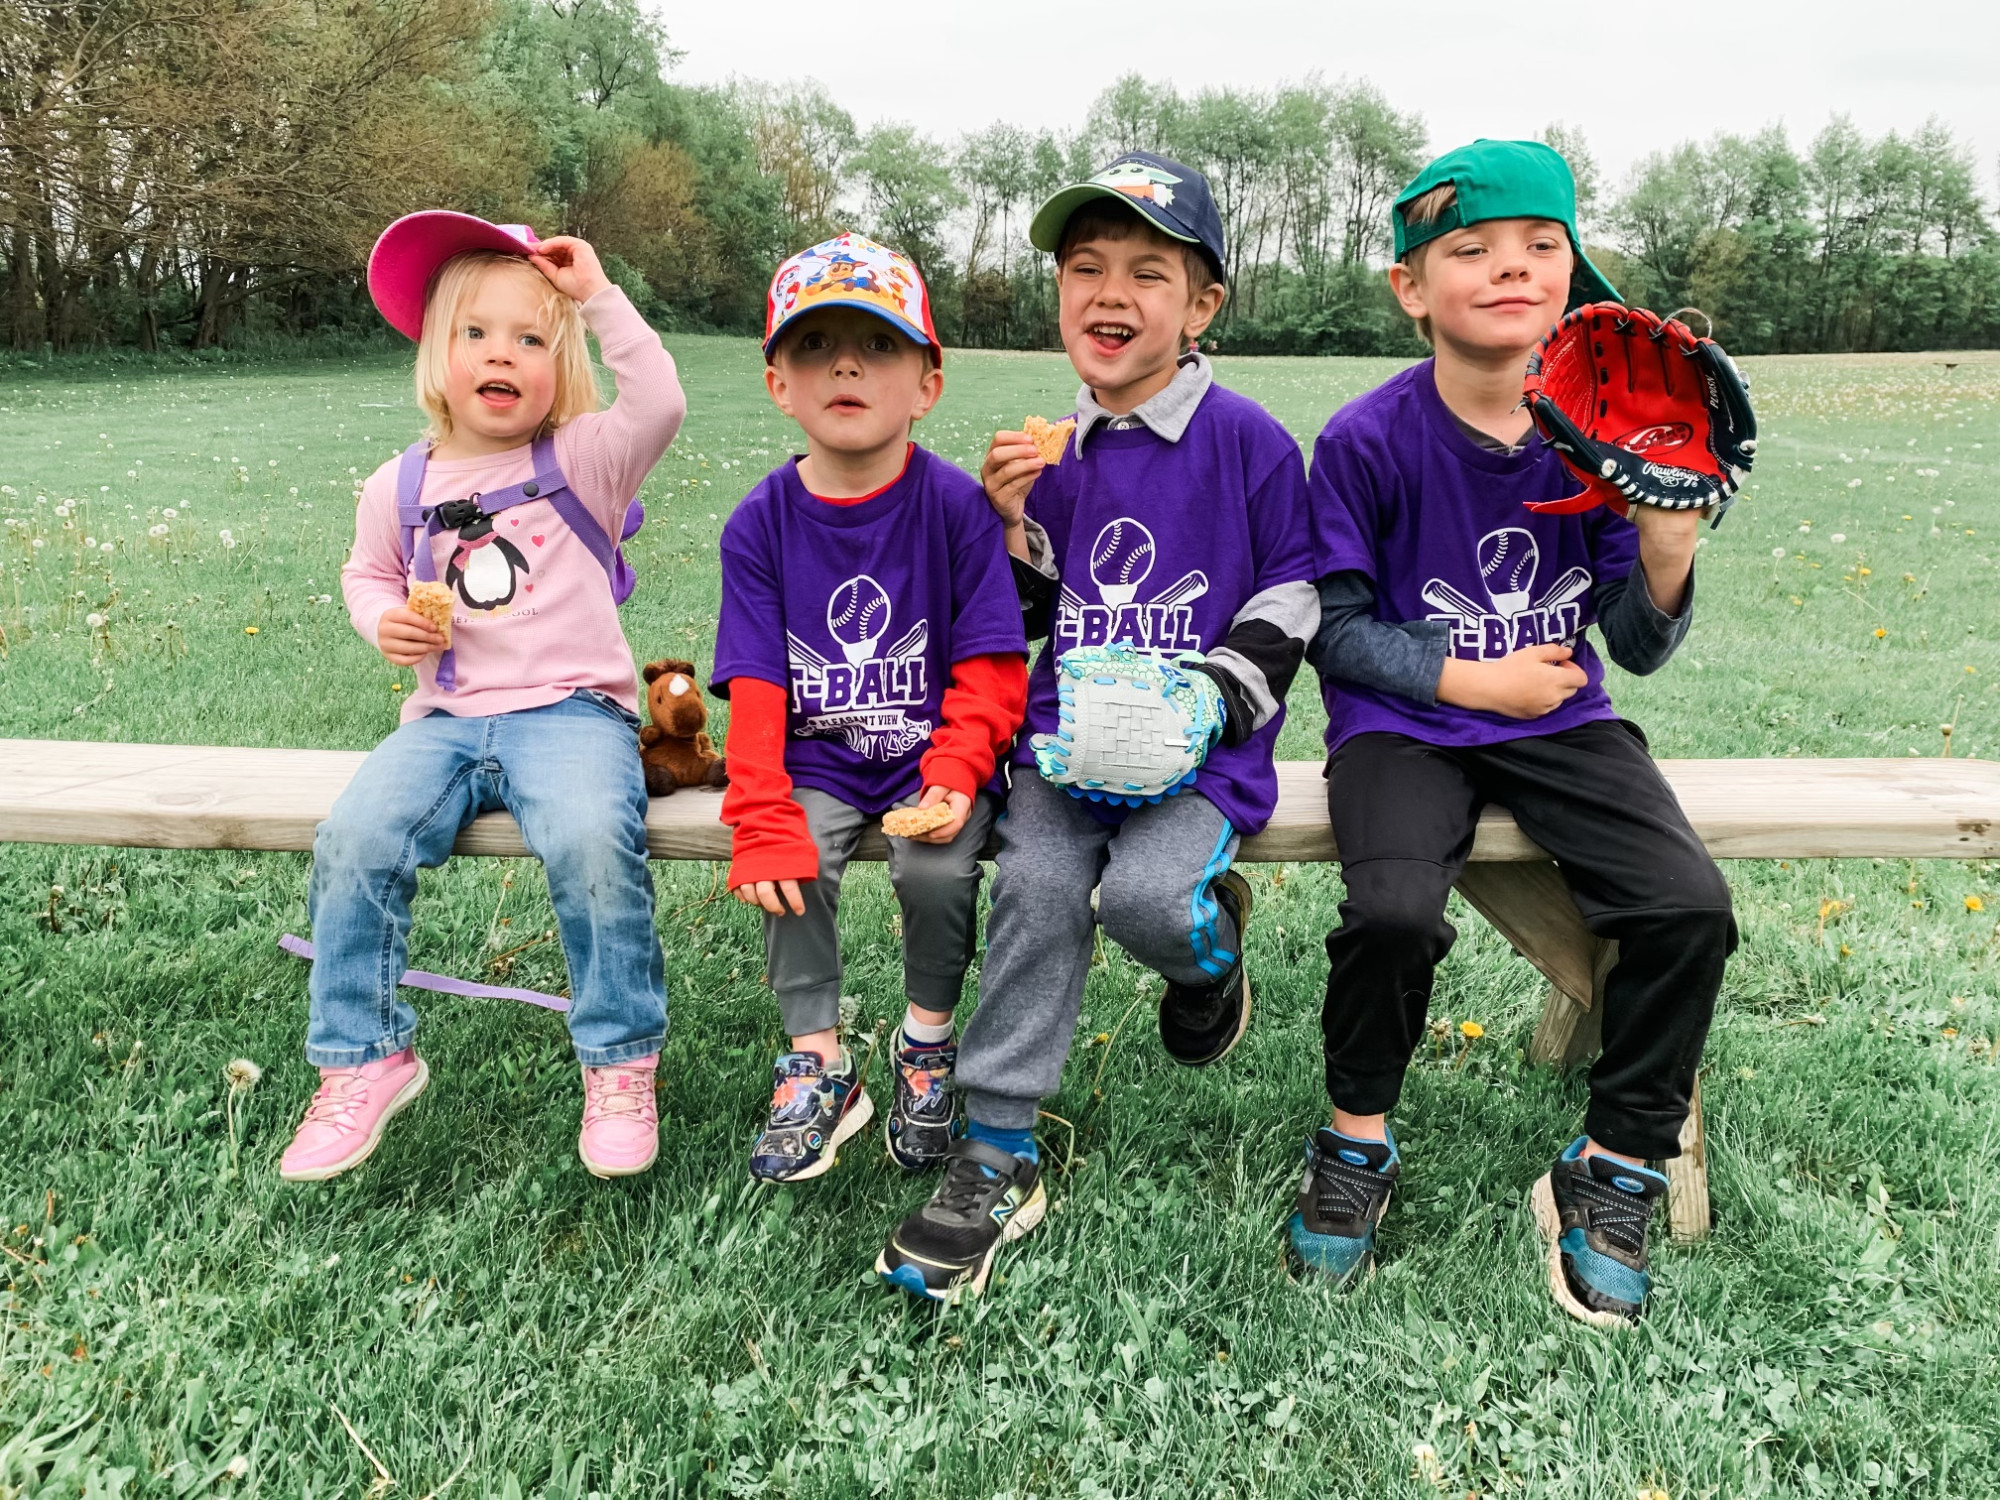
{"x":615,"y":1091}
{"x":340,"y":1095}
{"x":1619,"y":1216}
{"x":965,"y":1186}
{"x":1342,"y":1190}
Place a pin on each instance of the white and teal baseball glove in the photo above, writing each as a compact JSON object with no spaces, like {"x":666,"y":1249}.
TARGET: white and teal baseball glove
{"x":1131,"y":727}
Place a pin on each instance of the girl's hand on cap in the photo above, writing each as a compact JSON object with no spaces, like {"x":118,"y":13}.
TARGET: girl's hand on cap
{"x":571,"y":266}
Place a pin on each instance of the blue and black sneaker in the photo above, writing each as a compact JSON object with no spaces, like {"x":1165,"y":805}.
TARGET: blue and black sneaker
{"x":1593,"y":1212}
{"x":815,"y":1105}
{"x":1344,"y":1195}
{"x":919,"y":1127}
{"x":1200,"y":1023}
{"x":944,"y":1251}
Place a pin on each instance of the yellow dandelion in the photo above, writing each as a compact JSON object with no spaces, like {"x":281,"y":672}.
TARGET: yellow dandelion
{"x":1472,"y":1031}
{"x":1972,"y":671}
{"x":1949,"y":1032}
{"x":1909,"y":578}
{"x":1909,"y":518}
{"x":1845,"y":951}
{"x":395,"y":687}
{"x":249,"y":629}
{"x":1864,"y":572}
{"x":1797,"y":600}
{"x":1973,"y":903}
{"x":1880,"y":632}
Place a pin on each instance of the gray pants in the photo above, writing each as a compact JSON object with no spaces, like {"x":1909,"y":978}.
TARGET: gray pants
{"x":937,"y":886}
{"x":1152,"y":877}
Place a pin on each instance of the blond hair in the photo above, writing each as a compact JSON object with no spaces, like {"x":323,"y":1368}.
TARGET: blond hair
{"x":451,"y":288}
{"x":1426,"y":208}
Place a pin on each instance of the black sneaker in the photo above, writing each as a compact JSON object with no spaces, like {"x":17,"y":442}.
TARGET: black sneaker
{"x":1343,"y":1197}
{"x":1593,"y":1212}
{"x":815,"y":1107}
{"x":919,"y":1127}
{"x":1200,"y":1023}
{"x":944,"y":1251}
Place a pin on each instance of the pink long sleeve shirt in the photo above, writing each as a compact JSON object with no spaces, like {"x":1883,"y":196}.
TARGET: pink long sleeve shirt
{"x":558,"y":629}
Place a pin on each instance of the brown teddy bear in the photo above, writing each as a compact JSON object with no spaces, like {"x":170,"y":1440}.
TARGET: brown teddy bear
{"x":674,"y":748}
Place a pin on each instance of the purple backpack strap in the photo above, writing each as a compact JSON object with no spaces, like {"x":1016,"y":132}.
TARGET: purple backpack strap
{"x":610,"y":556}
{"x":410,"y":513}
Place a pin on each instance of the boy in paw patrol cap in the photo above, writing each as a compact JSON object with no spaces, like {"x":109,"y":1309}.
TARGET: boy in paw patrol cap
{"x":872,"y":651}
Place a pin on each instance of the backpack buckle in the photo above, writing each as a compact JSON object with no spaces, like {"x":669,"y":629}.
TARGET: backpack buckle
{"x":456,"y":514}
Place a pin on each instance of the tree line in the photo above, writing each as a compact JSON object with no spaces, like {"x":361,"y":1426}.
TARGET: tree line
{"x":202,"y":173}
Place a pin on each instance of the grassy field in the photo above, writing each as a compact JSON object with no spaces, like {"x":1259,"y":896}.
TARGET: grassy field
{"x":482,"y":1313}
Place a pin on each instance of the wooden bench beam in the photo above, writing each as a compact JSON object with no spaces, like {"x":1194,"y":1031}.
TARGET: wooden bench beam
{"x":199,"y":797}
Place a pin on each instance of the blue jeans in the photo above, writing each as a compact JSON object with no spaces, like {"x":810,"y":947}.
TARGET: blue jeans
{"x":570,"y":775}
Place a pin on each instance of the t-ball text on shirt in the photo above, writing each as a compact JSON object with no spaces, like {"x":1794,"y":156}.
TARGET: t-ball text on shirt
{"x":1517,"y":617}
{"x":861,"y":699}
{"x":1121,"y":560}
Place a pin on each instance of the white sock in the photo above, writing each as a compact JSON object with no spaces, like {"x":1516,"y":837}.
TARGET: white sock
{"x":924,"y":1036}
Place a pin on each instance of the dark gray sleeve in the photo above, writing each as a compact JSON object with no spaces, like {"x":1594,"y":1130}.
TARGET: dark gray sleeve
{"x":1037,"y":583}
{"x":1256,"y":662}
{"x":1636,"y":634}
{"x":1353,"y":646}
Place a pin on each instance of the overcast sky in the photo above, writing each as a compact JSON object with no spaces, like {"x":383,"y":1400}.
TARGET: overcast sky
{"x":1635,"y":77}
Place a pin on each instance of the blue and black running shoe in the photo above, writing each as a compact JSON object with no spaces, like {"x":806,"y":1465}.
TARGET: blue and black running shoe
{"x":919,"y":1127}
{"x":1344,"y":1195}
{"x":1593,"y":1211}
{"x":944,"y":1251}
{"x":815,"y":1106}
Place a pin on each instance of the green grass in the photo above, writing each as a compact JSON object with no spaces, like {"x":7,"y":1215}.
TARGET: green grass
{"x":471,"y":1300}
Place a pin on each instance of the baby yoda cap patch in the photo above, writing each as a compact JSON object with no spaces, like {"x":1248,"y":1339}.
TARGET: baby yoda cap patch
{"x":852,"y":271}
{"x":1172,"y":198}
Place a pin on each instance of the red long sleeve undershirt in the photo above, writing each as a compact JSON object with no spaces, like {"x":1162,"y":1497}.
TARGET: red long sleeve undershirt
{"x":981,"y":710}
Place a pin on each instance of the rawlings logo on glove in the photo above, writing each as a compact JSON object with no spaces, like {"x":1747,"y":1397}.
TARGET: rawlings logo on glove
{"x":1642,"y":411}
{"x":1132,"y":727}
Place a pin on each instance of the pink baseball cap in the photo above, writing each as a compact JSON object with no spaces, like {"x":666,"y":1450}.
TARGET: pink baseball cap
{"x":408,"y":255}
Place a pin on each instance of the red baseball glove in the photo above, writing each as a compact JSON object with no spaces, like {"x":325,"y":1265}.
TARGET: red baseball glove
{"x":1642,"y":411}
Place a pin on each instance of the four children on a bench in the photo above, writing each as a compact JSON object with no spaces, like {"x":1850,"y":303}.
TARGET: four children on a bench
{"x":541,"y":718}
{"x":1176,"y":520}
{"x":1456,"y":672}
{"x":871,"y":646}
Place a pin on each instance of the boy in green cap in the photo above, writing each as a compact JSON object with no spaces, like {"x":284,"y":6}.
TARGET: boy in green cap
{"x":1457,"y":670}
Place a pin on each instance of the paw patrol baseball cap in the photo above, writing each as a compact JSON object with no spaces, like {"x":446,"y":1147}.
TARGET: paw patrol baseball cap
{"x":852,"y":270}
{"x":1172,"y":198}
{"x":1503,"y":180}
{"x":410,"y":251}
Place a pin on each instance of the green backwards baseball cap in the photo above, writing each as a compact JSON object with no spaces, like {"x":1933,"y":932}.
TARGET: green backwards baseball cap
{"x":1503,"y":180}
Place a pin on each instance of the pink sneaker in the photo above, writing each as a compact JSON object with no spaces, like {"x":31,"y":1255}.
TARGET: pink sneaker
{"x":344,"y":1122}
{"x":621,"y":1121}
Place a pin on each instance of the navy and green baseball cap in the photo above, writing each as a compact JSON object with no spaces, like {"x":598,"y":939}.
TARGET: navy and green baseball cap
{"x":1503,"y":180}
{"x":1172,"y":198}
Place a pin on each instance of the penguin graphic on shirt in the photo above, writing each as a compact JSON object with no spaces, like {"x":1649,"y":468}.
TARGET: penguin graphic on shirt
{"x":484,"y":566}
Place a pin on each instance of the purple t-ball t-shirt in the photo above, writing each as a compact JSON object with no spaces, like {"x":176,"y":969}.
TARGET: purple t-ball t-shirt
{"x":862,"y":610}
{"x":1160,"y":544}
{"x":1441,"y":528}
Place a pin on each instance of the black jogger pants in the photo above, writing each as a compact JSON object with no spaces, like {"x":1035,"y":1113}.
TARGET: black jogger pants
{"x":1404,"y":813}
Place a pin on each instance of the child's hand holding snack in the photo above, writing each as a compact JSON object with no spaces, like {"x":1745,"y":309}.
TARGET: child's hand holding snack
{"x":405,"y":637}
{"x":938,"y":818}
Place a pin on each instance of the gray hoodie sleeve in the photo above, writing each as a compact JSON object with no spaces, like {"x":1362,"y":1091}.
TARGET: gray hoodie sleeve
{"x":1351,"y":645}
{"x":1636,"y":634}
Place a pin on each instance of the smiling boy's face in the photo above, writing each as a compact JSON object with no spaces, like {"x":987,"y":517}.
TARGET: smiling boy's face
{"x":1492,"y":289}
{"x":1126,"y":310}
{"x":851,"y":381}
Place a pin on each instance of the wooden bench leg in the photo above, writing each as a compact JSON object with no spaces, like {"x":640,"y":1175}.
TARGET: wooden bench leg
{"x":1687,"y":1178}
{"x":1531,"y":907}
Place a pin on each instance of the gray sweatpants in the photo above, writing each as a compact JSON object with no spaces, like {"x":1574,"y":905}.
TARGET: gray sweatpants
{"x":937,"y":886}
{"x":1152,"y":875}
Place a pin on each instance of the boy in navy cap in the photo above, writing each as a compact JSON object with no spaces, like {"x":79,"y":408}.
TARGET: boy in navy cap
{"x":1175,"y":523}
{"x":1457,"y":671}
